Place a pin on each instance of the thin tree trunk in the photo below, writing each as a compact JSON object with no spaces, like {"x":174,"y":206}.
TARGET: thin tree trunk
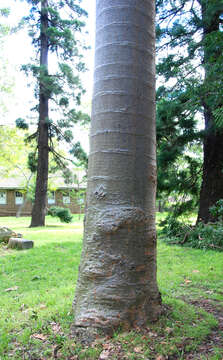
{"x":39,"y":208}
{"x":212,"y":180}
{"x":117,"y":277}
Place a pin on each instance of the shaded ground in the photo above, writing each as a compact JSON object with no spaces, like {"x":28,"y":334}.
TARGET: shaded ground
{"x":210,"y":348}
{"x":215,"y":339}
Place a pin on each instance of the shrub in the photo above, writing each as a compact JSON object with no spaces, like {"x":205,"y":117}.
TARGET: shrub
{"x":217,"y":210}
{"x":63,"y":214}
{"x":200,"y":236}
{"x":206,"y":236}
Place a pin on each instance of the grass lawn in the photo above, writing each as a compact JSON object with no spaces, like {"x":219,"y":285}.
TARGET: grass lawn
{"x":37,"y":288}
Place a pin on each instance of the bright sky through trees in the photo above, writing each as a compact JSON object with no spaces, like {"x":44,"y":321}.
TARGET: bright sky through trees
{"x":18,"y":50}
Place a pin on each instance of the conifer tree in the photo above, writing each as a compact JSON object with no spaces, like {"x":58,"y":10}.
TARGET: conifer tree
{"x":53,"y":26}
{"x":190,"y":40}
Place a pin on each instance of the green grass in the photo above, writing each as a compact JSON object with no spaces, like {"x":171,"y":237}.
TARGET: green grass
{"x":45,"y":278}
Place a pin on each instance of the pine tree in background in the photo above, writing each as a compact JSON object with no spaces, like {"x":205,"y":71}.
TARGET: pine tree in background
{"x":190,"y":41}
{"x":179,"y":156}
{"x":53,"y":26}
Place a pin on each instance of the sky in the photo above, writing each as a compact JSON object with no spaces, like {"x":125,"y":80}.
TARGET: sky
{"x":18,"y":51}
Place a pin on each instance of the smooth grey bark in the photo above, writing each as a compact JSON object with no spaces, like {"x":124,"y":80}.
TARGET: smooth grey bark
{"x":117,"y":283}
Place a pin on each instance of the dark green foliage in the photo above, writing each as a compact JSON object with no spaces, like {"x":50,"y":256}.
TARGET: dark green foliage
{"x":21,"y":124}
{"x":63,"y":214}
{"x":172,"y":228}
{"x":217,"y":210}
{"x":32,"y":162}
{"x":218,"y":118}
{"x":189,"y":49}
{"x":78,"y":152}
{"x":200,"y":236}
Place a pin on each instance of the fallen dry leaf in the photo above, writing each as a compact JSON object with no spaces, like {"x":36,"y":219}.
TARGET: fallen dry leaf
{"x":107,"y":346}
{"x":55,"y":327}
{"x":144,"y":337}
{"x":39,"y":337}
{"x":138,"y":349}
{"x":104,"y":355}
{"x":42,"y":306}
{"x":14,"y":288}
{"x":169,"y":330}
{"x":187,"y":281}
{"x":151,"y":334}
{"x":160,"y":357}
{"x":56,"y":353}
{"x":209,"y":292}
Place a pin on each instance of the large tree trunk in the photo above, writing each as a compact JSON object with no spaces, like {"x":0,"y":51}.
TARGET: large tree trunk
{"x":212,"y":181}
{"x":117,"y":283}
{"x":39,"y":208}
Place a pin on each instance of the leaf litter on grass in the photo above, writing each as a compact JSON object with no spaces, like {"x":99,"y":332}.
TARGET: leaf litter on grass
{"x":170,"y":339}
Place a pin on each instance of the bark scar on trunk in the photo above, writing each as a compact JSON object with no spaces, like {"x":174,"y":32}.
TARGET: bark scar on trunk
{"x":100,"y":192}
{"x":113,"y":219}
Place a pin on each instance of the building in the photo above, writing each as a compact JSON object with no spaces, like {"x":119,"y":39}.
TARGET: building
{"x":13,"y":199}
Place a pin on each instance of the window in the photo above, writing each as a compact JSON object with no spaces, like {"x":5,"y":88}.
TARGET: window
{"x":18,"y":198}
{"x":2,"y":197}
{"x":66,"y":199}
{"x":51,"y":197}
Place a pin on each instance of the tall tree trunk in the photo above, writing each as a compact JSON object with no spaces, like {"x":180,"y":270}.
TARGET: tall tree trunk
{"x":39,"y":208}
{"x":212,"y":181}
{"x":117,"y":283}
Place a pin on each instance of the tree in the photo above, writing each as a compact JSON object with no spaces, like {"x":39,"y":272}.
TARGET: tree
{"x":179,"y":156}
{"x":58,"y":87}
{"x":212,"y":182}
{"x":38,"y":211}
{"x":191,"y":89}
{"x":117,"y":277}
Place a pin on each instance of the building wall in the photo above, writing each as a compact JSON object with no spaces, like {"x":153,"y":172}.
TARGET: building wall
{"x":73,"y":206}
{"x":10,"y":208}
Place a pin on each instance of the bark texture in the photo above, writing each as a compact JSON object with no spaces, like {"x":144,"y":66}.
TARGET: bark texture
{"x":212,"y":180}
{"x":39,"y":208}
{"x":117,"y":277}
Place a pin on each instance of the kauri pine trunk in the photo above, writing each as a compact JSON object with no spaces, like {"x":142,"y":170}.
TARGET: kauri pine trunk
{"x":117,"y":284}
